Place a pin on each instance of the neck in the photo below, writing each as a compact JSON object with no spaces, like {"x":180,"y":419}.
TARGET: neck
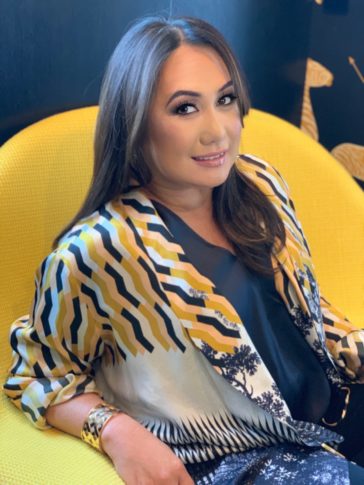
{"x":189,"y":200}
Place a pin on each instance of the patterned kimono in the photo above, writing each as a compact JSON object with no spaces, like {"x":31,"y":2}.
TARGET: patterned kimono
{"x":120,"y":310}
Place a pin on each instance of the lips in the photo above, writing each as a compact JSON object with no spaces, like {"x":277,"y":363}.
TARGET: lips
{"x":211,"y":159}
{"x":210,"y":156}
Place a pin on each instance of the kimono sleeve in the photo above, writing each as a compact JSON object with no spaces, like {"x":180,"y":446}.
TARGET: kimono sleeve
{"x":53,"y":347}
{"x":344,"y":341}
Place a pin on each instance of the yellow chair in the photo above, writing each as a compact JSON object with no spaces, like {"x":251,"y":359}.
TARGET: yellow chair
{"x":44,"y":174}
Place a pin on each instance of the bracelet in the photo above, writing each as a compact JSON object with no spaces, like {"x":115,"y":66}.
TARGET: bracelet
{"x":92,"y":428}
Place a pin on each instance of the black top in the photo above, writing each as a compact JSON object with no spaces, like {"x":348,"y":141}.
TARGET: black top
{"x":285,"y":352}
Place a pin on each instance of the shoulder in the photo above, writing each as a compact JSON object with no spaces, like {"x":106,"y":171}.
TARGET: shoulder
{"x":102,"y":236}
{"x":271,"y":183}
{"x":264,"y":175}
{"x":109,"y":222}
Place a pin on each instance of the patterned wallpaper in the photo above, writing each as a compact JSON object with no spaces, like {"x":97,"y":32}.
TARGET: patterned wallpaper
{"x":333,"y":95}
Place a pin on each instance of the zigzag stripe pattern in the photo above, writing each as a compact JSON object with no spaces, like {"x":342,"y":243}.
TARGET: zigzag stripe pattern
{"x":207,"y":437}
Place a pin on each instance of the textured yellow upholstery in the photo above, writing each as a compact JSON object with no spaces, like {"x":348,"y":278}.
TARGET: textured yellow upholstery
{"x":44,"y":173}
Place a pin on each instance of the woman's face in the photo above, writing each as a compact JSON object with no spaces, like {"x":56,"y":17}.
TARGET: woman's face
{"x":194,"y":124}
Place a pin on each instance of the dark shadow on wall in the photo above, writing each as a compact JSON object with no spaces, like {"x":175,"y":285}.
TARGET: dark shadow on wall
{"x":56,"y":53}
{"x":53,"y":53}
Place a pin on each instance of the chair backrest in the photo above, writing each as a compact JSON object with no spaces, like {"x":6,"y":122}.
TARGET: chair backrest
{"x":46,"y":168}
{"x":45,"y":171}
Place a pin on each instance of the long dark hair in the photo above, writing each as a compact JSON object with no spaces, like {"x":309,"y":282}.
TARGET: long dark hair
{"x":247,"y":217}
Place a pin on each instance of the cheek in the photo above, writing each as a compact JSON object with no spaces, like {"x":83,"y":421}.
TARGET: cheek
{"x":236,"y":128}
{"x":168,"y":136}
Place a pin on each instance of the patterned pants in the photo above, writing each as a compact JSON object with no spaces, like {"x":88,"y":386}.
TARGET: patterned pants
{"x":289,"y":464}
{"x":284,"y":464}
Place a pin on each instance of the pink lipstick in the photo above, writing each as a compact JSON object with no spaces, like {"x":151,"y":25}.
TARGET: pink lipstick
{"x":211,"y":159}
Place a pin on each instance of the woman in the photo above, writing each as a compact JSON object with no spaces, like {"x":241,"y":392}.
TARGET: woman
{"x":177,"y":325}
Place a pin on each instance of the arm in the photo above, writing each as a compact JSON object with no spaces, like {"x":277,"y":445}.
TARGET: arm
{"x":51,"y":378}
{"x":137,"y":455}
{"x":344,"y":341}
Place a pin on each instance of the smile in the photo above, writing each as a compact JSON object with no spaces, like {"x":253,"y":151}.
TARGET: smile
{"x":211,"y":159}
{"x":210,"y":156}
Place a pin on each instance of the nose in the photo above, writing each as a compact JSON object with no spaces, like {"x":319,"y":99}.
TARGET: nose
{"x":212,"y":128}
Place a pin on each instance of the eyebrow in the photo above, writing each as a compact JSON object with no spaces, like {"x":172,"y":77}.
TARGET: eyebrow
{"x":194,"y":93}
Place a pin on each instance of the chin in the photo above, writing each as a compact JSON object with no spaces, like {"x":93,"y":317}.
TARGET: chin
{"x":214,"y":181}
{"x":219,"y":177}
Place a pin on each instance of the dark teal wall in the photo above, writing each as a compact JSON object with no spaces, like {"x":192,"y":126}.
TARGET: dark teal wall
{"x":53,"y":52}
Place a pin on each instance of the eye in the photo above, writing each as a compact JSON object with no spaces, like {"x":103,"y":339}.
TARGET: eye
{"x":227,"y":99}
{"x":185,"y":109}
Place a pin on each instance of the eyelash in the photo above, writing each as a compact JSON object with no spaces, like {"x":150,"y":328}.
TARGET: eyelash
{"x":176,"y":111}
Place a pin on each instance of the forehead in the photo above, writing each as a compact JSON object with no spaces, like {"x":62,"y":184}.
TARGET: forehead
{"x":192,"y":68}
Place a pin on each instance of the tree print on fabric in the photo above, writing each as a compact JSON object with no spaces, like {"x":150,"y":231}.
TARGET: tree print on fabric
{"x":243,"y":361}
{"x":271,"y":402}
{"x":312,"y":295}
{"x":304,"y":324}
{"x":335,"y":377}
{"x":301,"y":320}
{"x":236,"y":367}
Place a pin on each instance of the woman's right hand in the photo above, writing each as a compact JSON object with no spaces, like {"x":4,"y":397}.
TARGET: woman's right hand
{"x":139,"y":457}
